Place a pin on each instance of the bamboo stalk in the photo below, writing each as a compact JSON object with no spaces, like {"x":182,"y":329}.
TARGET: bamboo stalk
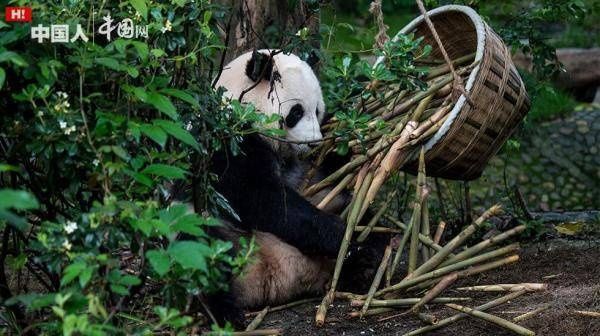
{"x":531,"y":314}
{"x":587,"y":313}
{"x":351,"y":223}
{"x":258,"y":332}
{"x":439,"y":232}
{"x":425,"y":226}
{"x":470,"y":271}
{"x":381,"y":144}
{"x":258,"y":319}
{"x":382,"y":209}
{"x":483,"y":245}
{"x":434,"y":87}
{"x":398,"y":255}
{"x":377,"y":280}
{"x":391,"y":162}
{"x":377,"y":229}
{"x":347,"y":296}
{"x":428,"y":318}
{"x":335,"y":191}
{"x":419,"y":96}
{"x":439,"y":257}
{"x":370,"y":312}
{"x":414,"y":238}
{"x":406,"y":283}
{"x":492,"y":318}
{"x":287,"y":305}
{"x":507,"y":287}
{"x":406,"y":301}
{"x":444,"y":69}
{"x":451,"y":319}
{"x":425,"y":240}
{"x":434,"y":292}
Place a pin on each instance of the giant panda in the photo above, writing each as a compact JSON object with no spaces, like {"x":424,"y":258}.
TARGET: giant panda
{"x":297,"y":242}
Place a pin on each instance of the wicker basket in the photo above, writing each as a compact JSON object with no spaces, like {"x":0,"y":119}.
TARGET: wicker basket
{"x":471,"y":135}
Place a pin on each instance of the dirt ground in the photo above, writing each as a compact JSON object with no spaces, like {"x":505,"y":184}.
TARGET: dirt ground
{"x":570,"y":267}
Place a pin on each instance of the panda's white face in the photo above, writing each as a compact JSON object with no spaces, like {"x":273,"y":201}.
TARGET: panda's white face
{"x":287,"y":87}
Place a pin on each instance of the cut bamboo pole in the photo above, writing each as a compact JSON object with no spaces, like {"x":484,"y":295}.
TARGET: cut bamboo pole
{"x":425,"y":226}
{"x":428,"y":318}
{"x":377,"y":280}
{"x":391,"y":162}
{"x":439,"y":232}
{"x":382,"y":209}
{"x":347,"y":296}
{"x":425,"y":240}
{"x":475,"y":249}
{"x":258,"y":332}
{"x":531,"y":314}
{"x":470,"y":271}
{"x":439,"y":257}
{"x":378,"y":229}
{"x":587,"y":313}
{"x":457,"y":266}
{"x":370,"y":312}
{"x":444,"y":69}
{"x":434,"y":292}
{"x":287,"y":305}
{"x":452,"y":319}
{"x":407,"y":301}
{"x":398,"y":255}
{"x":507,"y":287}
{"x":335,"y":191}
{"x":258,"y":319}
{"x":493,"y":319}
{"x":414,"y":238}
{"x":432,"y":89}
{"x":351,"y":223}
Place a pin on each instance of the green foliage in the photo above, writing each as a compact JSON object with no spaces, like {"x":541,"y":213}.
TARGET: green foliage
{"x":97,"y":132}
{"x":348,"y":81}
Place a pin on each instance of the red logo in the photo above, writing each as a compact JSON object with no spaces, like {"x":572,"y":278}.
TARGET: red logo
{"x":17,"y":14}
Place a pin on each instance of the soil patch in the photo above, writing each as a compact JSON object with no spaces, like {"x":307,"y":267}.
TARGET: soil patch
{"x":571,"y":269}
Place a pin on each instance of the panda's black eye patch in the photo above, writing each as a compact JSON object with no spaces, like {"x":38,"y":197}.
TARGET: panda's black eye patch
{"x":296,"y":113}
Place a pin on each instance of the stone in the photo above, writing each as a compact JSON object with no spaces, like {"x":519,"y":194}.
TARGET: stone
{"x":565,"y":130}
{"x":590,"y":140}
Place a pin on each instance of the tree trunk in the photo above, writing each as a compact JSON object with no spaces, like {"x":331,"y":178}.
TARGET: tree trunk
{"x":257,"y":24}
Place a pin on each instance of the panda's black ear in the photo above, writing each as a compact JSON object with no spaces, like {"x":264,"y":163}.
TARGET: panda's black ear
{"x":259,"y":67}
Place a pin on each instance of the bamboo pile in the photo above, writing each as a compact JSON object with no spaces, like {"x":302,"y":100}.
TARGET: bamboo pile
{"x":433,"y":271}
{"x":414,"y":117}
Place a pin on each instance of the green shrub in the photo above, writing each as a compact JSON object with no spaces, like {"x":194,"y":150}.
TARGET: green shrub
{"x":93,"y":133}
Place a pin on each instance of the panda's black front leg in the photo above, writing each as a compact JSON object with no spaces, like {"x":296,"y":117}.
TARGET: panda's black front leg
{"x":224,"y":308}
{"x":253,"y":185}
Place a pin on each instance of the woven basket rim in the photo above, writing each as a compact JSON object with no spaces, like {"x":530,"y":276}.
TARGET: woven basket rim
{"x":481,"y":36}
